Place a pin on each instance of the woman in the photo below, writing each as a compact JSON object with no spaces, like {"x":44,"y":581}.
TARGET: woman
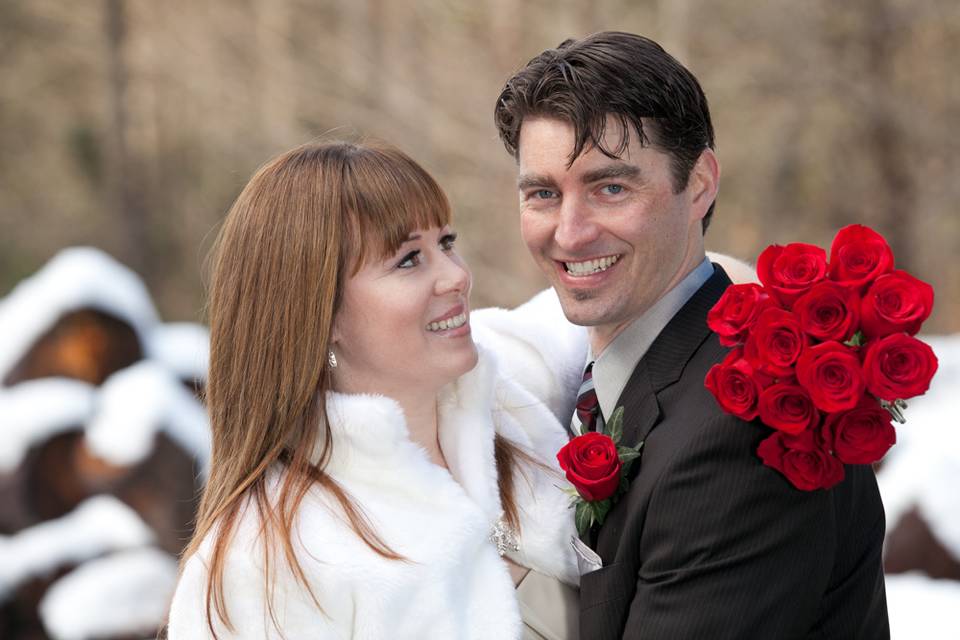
{"x":372,"y":471}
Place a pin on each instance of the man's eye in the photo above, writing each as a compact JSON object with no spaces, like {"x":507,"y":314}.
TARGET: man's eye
{"x":412,"y":259}
{"x":447,"y":241}
{"x":613,"y":189}
{"x":543,"y":194}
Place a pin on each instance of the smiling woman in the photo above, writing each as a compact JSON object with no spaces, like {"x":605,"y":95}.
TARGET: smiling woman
{"x":364,"y":448}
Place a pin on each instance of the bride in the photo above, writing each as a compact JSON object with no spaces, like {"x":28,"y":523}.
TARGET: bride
{"x":375,"y":472}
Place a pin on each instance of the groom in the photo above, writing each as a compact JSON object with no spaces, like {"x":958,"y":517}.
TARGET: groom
{"x":617,"y":180}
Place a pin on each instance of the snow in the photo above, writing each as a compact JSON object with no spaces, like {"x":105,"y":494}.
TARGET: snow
{"x":135,"y":585}
{"x":183,"y":347}
{"x":29,"y":415}
{"x":921,"y":607}
{"x":98,"y":525}
{"x":79,"y":277}
{"x":134,"y":404}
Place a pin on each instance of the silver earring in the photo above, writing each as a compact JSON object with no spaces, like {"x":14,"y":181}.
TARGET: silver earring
{"x":332,"y":359}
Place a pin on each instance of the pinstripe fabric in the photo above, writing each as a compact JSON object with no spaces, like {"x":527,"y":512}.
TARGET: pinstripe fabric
{"x":709,"y":543}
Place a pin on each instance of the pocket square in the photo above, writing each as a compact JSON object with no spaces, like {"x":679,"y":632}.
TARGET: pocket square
{"x":587,"y":558}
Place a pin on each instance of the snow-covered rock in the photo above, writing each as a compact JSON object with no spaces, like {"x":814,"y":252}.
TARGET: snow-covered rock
{"x":76,"y":278}
{"x":137,"y":402}
{"x":120,"y":595}
{"x":99,"y":525}
{"x":182,"y":347}
{"x":36,"y":410}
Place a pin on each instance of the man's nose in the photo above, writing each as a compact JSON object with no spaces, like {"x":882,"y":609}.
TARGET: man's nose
{"x":576,"y":228}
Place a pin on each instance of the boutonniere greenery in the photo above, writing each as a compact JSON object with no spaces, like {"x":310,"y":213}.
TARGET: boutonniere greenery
{"x":597,"y":466}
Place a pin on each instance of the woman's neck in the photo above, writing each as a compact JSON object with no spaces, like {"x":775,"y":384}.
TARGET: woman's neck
{"x":420,"y":411}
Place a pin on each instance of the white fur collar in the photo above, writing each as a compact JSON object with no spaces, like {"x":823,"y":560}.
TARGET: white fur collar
{"x":370,"y":436}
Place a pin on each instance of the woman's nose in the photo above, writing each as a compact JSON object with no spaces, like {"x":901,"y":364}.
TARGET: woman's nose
{"x":455,"y":276}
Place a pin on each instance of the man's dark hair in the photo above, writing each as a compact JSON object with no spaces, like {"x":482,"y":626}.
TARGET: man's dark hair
{"x":614,"y":74}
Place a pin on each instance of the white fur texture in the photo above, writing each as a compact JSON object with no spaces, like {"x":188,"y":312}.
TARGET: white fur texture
{"x":453,"y":584}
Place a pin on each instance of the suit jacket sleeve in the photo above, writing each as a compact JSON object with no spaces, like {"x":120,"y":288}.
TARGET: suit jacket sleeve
{"x":720,"y":534}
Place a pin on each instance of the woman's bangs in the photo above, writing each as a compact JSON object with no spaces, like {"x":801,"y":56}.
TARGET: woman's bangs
{"x":397,"y":198}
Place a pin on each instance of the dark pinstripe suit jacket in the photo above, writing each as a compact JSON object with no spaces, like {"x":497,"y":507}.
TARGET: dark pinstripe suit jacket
{"x":708,"y":542}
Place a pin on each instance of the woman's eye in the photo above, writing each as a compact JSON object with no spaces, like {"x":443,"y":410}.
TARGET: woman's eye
{"x":447,"y":241}
{"x":412,"y":259}
{"x":613,"y":189}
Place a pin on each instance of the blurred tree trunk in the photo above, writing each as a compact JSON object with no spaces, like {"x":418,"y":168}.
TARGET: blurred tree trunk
{"x":674,"y":25}
{"x":276,"y":100}
{"x":894,"y":199}
{"x":124,"y":185}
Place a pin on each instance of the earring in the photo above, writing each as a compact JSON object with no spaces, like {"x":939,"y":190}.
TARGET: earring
{"x":332,"y":359}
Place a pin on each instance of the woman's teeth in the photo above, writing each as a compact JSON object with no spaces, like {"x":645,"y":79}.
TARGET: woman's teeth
{"x":589,"y":267}
{"x":449,"y":323}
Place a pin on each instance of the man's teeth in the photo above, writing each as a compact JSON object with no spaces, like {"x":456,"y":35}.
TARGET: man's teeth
{"x":449,"y":323}
{"x":590,"y":266}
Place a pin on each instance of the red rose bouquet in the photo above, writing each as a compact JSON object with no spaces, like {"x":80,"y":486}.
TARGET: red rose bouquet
{"x":824,"y":353}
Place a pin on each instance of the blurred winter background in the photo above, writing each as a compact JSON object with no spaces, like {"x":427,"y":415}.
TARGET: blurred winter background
{"x":130,"y":126}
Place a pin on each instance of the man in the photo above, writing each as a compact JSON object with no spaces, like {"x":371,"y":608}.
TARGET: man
{"x":617,"y":180}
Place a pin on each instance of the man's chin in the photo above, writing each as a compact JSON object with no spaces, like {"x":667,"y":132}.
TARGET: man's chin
{"x":582,"y":308}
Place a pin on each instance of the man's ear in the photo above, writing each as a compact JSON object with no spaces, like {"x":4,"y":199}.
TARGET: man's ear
{"x":704,"y":183}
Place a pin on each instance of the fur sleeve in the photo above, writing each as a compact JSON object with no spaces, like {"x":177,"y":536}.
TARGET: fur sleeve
{"x":537,"y":348}
{"x":546,"y":519}
{"x":295,"y":612}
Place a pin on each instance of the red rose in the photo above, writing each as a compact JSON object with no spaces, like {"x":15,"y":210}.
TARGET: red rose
{"x":736,"y":385}
{"x":862,"y":435}
{"x":805,"y":464}
{"x":831,"y":374}
{"x":592,"y":465}
{"x":787,"y":407}
{"x":775,"y":342}
{"x":898,"y":367}
{"x":828,"y":311}
{"x":896,"y":302}
{"x":788,"y":272}
{"x":858,"y":256}
{"x":736,"y":311}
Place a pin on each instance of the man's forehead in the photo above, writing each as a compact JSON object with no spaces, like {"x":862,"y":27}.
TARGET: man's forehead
{"x":546,"y":139}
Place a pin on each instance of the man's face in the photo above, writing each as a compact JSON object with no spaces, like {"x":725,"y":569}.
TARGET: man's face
{"x":609,"y":233}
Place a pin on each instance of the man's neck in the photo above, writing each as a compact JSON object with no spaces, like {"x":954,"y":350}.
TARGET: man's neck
{"x":602,"y":335}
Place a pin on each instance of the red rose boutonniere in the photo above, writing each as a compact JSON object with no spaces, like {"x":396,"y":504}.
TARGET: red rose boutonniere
{"x":597,"y":467}
{"x":824,"y":354}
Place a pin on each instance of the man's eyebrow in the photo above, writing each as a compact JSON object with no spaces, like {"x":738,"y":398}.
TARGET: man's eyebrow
{"x":610,"y":172}
{"x":529,"y":180}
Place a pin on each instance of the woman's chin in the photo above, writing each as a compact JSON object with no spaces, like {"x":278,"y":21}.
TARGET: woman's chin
{"x":462,"y":362}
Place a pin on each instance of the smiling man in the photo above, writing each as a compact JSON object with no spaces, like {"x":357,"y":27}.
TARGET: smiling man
{"x":617,"y":181}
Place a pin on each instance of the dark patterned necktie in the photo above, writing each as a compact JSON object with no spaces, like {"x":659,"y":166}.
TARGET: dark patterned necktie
{"x":588,"y":407}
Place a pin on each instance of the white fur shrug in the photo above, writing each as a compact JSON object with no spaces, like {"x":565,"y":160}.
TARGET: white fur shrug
{"x":453,"y":584}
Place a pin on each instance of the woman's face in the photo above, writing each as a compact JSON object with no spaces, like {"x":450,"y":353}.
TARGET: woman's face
{"x":404,"y":322}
